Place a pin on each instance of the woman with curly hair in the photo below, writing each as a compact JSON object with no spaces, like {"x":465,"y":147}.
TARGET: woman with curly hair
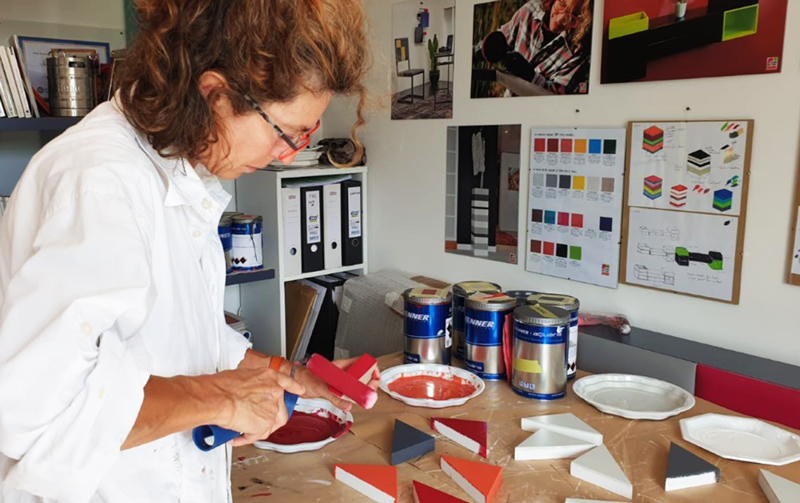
{"x":113,"y":343}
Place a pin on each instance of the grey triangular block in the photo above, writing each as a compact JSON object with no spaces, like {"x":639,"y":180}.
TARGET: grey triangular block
{"x":778,"y":489}
{"x":409,"y":443}
{"x":688,"y":470}
{"x":599,"y":467}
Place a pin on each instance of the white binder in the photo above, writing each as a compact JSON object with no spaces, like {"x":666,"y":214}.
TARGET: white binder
{"x":332,"y":221}
{"x":292,"y":232}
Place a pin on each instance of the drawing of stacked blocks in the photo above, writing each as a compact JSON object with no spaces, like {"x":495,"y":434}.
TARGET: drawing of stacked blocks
{"x":677,"y":196}
{"x":480,"y":222}
{"x":699,"y":163}
{"x":652,"y":187}
{"x":723,"y":200}
{"x":684,"y":257}
{"x":653,"y":139}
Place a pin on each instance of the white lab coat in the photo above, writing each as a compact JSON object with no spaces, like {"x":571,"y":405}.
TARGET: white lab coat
{"x":111,"y":270}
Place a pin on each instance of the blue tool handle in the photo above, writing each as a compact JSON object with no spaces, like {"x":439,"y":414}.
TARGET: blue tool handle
{"x":210,"y":436}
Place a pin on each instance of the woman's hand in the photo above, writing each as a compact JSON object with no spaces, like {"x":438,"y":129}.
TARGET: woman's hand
{"x":255,"y":401}
{"x":317,"y":388}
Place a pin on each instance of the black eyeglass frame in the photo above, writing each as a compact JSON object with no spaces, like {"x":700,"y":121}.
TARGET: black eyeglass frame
{"x":289,"y":141}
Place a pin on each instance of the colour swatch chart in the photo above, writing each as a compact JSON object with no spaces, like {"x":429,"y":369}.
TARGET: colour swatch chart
{"x":688,"y":166}
{"x":683,"y":252}
{"x":575,"y":204}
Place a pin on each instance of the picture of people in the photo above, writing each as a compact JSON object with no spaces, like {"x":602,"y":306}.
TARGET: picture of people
{"x":685,"y":39}
{"x":423,"y":36}
{"x":482,"y":198}
{"x":531,"y":48}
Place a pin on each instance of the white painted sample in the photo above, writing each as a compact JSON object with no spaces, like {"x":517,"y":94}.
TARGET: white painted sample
{"x":702,"y":479}
{"x":778,"y":489}
{"x":463,"y":483}
{"x":364,"y":488}
{"x":599,"y":467}
{"x":457,"y":437}
{"x":565,"y":424}
{"x":546,"y":444}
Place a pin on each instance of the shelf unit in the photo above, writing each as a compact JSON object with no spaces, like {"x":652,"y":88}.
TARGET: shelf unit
{"x":263,"y":302}
{"x":40,"y":124}
{"x":240,"y":278}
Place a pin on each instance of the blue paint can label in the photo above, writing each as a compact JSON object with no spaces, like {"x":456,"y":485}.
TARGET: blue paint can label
{"x":484,"y":343}
{"x":225,"y":236}
{"x":427,"y":333}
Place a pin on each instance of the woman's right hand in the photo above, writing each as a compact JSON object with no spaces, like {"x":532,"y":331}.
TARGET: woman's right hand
{"x":255,"y":405}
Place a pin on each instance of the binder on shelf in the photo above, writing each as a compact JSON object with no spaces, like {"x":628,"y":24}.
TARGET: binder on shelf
{"x":12,"y":82}
{"x":15,"y":62}
{"x":16,"y":47}
{"x":332,"y":224}
{"x":292,"y":231}
{"x":5,"y":92}
{"x":352,"y":230}
{"x":312,"y":233}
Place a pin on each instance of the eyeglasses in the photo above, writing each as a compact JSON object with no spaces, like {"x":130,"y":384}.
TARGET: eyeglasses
{"x":295,"y":144}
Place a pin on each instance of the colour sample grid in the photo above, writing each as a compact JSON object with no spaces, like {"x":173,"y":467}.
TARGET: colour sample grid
{"x":560,"y":250}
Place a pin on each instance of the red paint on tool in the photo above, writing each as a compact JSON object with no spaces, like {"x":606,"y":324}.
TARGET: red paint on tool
{"x":305,"y":428}
{"x":362,"y":370}
{"x":348,"y":385}
{"x":432,"y":387}
{"x":261,"y":494}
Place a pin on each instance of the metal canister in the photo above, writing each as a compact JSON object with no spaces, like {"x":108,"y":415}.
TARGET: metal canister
{"x":247,"y":247}
{"x":224,"y":229}
{"x":539,"y":362}
{"x":521,"y":296}
{"x":70,"y":83}
{"x":460,"y":293}
{"x":428,"y":321}
{"x":485,"y":317}
{"x":572,"y":305}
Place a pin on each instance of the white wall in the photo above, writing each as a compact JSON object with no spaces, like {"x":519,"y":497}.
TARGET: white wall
{"x":95,"y":13}
{"x":407,"y":186}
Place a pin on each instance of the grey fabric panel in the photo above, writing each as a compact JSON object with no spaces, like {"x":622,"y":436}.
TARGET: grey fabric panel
{"x":602,"y":356}
{"x":704,"y":354}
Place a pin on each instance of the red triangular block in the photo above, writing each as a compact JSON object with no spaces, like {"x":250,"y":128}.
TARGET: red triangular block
{"x":468,"y":434}
{"x":379,"y":483}
{"x":480,"y":480}
{"x":427,"y":494}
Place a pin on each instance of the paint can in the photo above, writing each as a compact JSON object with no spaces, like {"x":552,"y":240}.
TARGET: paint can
{"x":539,"y":368}
{"x":485,"y":317}
{"x":224,"y":229}
{"x":521,"y":296}
{"x":460,"y":293}
{"x":428,"y":322}
{"x":571,"y":305}
{"x":247,"y":245}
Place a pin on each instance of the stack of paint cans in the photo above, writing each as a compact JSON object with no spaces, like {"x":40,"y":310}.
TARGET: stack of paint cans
{"x":428,"y":322}
{"x":571,"y":305}
{"x":521,"y":296}
{"x":460,"y":293}
{"x":485,"y":317}
{"x":247,"y":246}
{"x":225,"y":230}
{"x":540,"y":341}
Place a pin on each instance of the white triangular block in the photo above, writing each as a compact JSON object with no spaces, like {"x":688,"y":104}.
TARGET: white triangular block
{"x":598,"y":467}
{"x":545,"y":444}
{"x":565,"y":424}
{"x":778,"y":489}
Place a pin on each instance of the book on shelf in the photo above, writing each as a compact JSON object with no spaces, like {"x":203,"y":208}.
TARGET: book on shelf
{"x":23,"y":95}
{"x":5,"y":92}
{"x":16,"y":48}
{"x":12,"y":81}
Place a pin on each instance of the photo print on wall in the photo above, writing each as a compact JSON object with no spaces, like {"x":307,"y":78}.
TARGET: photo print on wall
{"x":653,"y":40}
{"x":423,"y":38}
{"x":531,"y":48}
{"x":483,"y":196}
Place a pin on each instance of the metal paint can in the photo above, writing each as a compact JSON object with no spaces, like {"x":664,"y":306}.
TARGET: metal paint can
{"x":247,"y":247}
{"x":460,"y":293}
{"x":541,"y":334}
{"x":428,"y":322}
{"x":224,"y":229}
{"x":521,"y":296}
{"x":485,"y":317}
{"x":572,"y":305}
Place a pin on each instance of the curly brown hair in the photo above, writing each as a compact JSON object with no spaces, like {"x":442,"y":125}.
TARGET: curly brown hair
{"x":581,"y":35}
{"x":271,"y":50}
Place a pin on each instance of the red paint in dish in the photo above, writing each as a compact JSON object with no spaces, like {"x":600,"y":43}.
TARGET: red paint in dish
{"x":304,"y":428}
{"x":432,"y":387}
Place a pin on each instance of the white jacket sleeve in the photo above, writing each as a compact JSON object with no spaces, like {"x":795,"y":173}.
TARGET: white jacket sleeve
{"x":72,"y":366}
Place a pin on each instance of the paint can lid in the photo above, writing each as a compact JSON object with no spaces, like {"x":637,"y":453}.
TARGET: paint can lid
{"x":497,"y":301}
{"x":428,"y":296}
{"x":543,"y":316}
{"x":231,"y":214}
{"x":555,"y":300}
{"x":521,"y":295}
{"x":225,"y":221}
{"x":247,"y":219}
{"x":467,"y":288}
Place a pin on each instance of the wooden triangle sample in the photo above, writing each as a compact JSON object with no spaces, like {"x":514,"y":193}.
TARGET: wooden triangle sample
{"x":409,"y":443}
{"x":469,"y":434}
{"x":598,"y":467}
{"x":545,"y":444}
{"x":778,"y":489}
{"x":427,"y":494}
{"x":379,"y":483}
{"x":688,"y":470}
{"x":480,"y":480}
{"x":565,"y":424}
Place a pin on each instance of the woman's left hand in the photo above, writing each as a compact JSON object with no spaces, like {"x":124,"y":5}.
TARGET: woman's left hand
{"x":317,"y":388}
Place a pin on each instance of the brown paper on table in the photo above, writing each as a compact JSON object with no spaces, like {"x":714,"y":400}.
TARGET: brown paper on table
{"x":640,"y":447}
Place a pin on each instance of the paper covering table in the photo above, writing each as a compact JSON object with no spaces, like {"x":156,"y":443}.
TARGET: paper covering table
{"x":640,"y":447}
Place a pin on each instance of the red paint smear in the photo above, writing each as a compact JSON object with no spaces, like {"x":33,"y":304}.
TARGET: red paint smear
{"x":305,"y":428}
{"x":432,"y":387}
{"x":261,"y":494}
{"x":241,"y":458}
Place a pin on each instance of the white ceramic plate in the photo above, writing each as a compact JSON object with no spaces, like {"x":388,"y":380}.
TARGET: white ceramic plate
{"x":633,"y":397}
{"x":742,"y":439}
{"x":317,"y":407}
{"x":432,"y":370}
